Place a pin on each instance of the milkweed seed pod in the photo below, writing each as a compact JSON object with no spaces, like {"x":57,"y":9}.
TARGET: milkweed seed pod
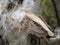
{"x":17,"y":25}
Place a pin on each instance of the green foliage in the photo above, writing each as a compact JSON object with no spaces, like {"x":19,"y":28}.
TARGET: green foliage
{"x":47,"y":11}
